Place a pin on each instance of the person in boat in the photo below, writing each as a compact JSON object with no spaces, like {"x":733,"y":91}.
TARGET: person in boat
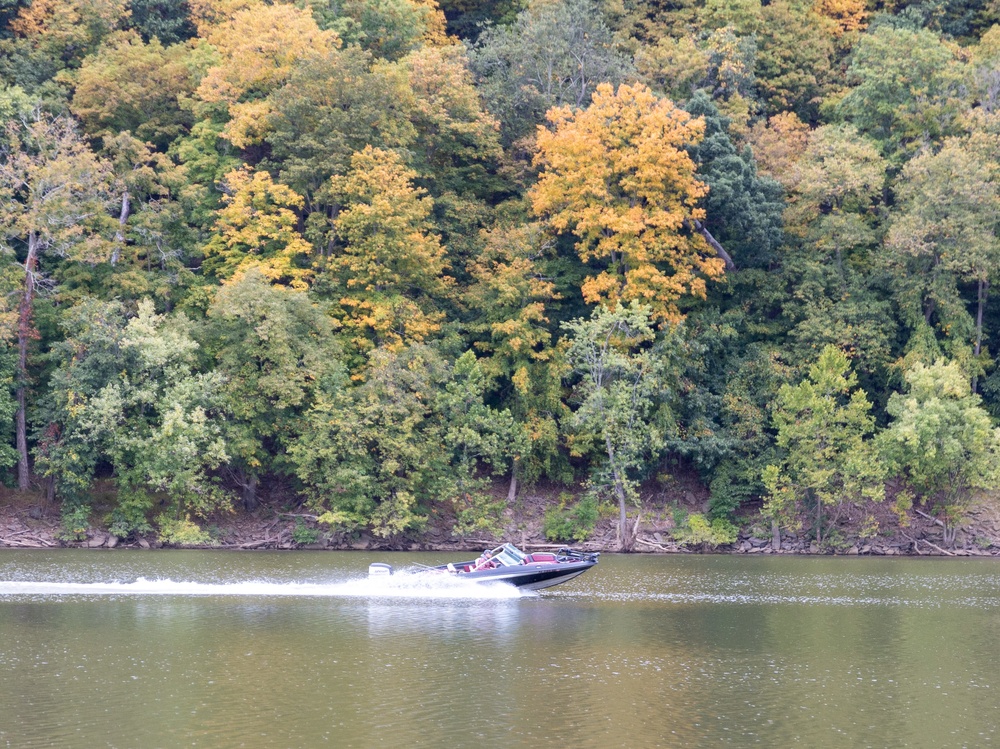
{"x":484,"y":562}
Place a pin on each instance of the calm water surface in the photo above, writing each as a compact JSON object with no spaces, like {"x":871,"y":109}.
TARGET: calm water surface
{"x":298,"y":649}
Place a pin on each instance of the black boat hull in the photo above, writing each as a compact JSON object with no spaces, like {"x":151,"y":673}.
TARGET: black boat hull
{"x":506,"y":564}
{"x":531,"y":576}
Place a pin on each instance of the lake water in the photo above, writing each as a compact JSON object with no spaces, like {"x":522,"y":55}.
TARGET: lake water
{"x":299,"y":649}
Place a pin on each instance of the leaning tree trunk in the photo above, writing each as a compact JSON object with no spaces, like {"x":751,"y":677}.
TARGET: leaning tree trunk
{"x":24,"y":331}
{"x":714,"y":244}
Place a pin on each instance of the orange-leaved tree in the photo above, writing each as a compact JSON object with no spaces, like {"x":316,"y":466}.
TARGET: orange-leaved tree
{"x":617,"y":176}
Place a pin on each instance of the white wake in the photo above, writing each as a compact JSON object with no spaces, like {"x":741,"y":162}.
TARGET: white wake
{"x":416,"y":586}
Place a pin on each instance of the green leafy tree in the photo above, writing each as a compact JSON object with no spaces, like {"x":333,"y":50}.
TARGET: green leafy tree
{"x":275,"y":349}
{"x":372,"y":455}
{"x":204,"y":158}
{"x":467,"y":18}
{"x":332,"y":106}
{"x":721,"y":62}
{"x":456,"y":150}
{"x":619,"y":422}
{"x":646,"y":22}
{"x":168,"y":21}
{"x":86,"y":360}
{"x":513,"y":296}
{"x":752,"y":383}
{"x":907,"y":89}
{"x":742,"y":208}
{"x":941,"y":440}
{"x":389,"y":29}
{"x":8,"y":405}
{"x":795,"y":58}
{"x":824,"y":426}
{"x":128,"y":84}
{"x":154,"y":240}
{"x":744,"y":16}
{"x":944,"y":234}
{"x":135,"y":400}
{"x":833,"y":223}
{"x":477,"y":437}
{"x":456,"y":144}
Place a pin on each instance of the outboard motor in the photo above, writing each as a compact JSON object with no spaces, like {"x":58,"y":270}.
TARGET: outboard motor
{"x":379,"y":569}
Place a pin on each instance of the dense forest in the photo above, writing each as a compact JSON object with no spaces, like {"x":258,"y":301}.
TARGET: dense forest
{"x":408,"y":259}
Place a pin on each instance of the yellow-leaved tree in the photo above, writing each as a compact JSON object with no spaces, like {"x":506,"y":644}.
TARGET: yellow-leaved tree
{"x":618,"y":177}
{"x":258,"y":47}
{"x":389,"y":265}
{"x":848,"y":16}
{"x":257,"y":228}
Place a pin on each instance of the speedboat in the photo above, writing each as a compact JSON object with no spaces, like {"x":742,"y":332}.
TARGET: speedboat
{"x":508,"y":564}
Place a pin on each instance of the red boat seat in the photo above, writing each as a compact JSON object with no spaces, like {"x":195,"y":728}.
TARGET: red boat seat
{"x":540,"y":557}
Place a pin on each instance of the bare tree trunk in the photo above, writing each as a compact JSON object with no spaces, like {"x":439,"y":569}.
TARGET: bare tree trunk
{"x":625,"y":536}
{"x":24,"y":332}
{"x":116,"y":254}
{"x":249,"y":484}
{"x":929,"y":307}
{"x":512,"y":489}
{"x":819,"y":514}
{"x":983,"y":292}
{"x":949,"y":535}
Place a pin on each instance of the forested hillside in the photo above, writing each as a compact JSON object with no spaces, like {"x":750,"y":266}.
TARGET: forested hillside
{"x":393,"y":256}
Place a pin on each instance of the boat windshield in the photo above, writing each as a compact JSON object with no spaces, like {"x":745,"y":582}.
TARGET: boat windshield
{"x":508,"y":555}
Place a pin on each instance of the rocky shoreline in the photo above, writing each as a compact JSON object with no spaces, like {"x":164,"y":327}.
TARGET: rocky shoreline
{"x":37,"y":526}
